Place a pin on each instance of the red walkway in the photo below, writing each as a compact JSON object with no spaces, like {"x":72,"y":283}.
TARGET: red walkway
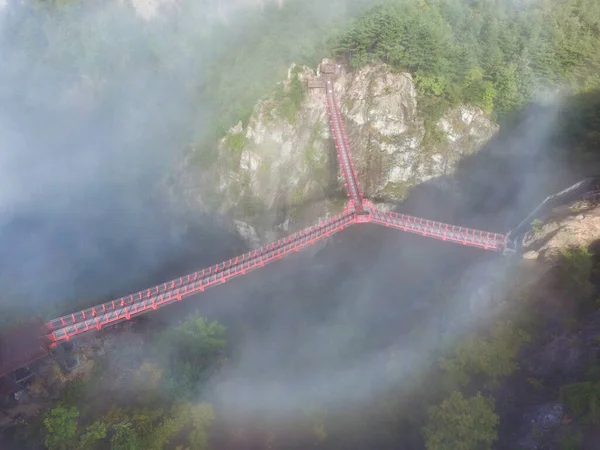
{"x":357,"y":211}
{"x":125,"y":308}
{"x":341,"y":145}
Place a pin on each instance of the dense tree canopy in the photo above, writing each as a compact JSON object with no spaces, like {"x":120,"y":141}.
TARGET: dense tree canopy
{"x":460,"y":423}
{"x":493,"y":357}
{"x":153,"y":419}
{"x":193,"y":348}
{"x":491,"y":53}
{"x":61,"y":427}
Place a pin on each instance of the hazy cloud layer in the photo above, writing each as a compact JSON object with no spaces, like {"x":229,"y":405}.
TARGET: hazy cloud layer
{"x":85,"y":142}
{"x":97,"y":102}
{"x":370,"y":311}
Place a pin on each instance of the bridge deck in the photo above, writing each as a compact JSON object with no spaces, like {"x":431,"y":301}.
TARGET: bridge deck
{"x":439,"y":230}
{"x":124,"y":308}
{"x":358,"y":211}
{"x":28,"y":343}
{"x":341,"y":144}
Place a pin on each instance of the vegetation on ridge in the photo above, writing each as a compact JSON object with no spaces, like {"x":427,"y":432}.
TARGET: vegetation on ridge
{"x":493,"y":54}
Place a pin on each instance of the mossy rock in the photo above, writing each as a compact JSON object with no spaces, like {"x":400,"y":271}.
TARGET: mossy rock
{"x":236,"y":142}
{"x":394,"y":190}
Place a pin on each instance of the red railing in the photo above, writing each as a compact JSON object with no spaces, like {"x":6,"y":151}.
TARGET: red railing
{"x":446,"y":232}
{"x":358,"y":211}
{"x":124,"y":308}
{"x":343,"y":150}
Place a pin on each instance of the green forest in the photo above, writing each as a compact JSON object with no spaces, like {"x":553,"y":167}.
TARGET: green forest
{"x":495,"y":54}
{"x":491,"y":53}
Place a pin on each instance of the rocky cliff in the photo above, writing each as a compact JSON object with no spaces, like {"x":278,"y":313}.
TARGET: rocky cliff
{"x":281,"y":166}
{"x":577,"y":224}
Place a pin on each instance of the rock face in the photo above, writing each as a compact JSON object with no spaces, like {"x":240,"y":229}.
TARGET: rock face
{"x":386,"y":132}
{"x":569,"y":227}
{"x":284,"y":159}
{"x":543,"y":421}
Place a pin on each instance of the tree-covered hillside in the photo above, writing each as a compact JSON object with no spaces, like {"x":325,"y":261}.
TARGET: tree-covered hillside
{"x":492,"y":53}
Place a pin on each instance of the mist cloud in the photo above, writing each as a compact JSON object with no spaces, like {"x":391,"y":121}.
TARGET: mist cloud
{"x":97,"y":102}
{"x":86,"y":141}
{"x":384,"y":298}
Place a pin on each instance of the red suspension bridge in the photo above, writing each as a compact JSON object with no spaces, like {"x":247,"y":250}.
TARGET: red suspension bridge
{"x":357,"y":211}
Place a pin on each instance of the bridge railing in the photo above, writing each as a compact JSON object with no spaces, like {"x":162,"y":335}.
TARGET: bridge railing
{"x":439,"y":230}
{"x":341,"y":143}
{"x":126,"y":307}
{"x":346,"y":146}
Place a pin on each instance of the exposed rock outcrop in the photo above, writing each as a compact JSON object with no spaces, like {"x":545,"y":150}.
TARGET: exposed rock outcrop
{"x":386,"y":132}
{"x":283,"y":160}
{"x":543,"y":422}
{"x":574,"y":225}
